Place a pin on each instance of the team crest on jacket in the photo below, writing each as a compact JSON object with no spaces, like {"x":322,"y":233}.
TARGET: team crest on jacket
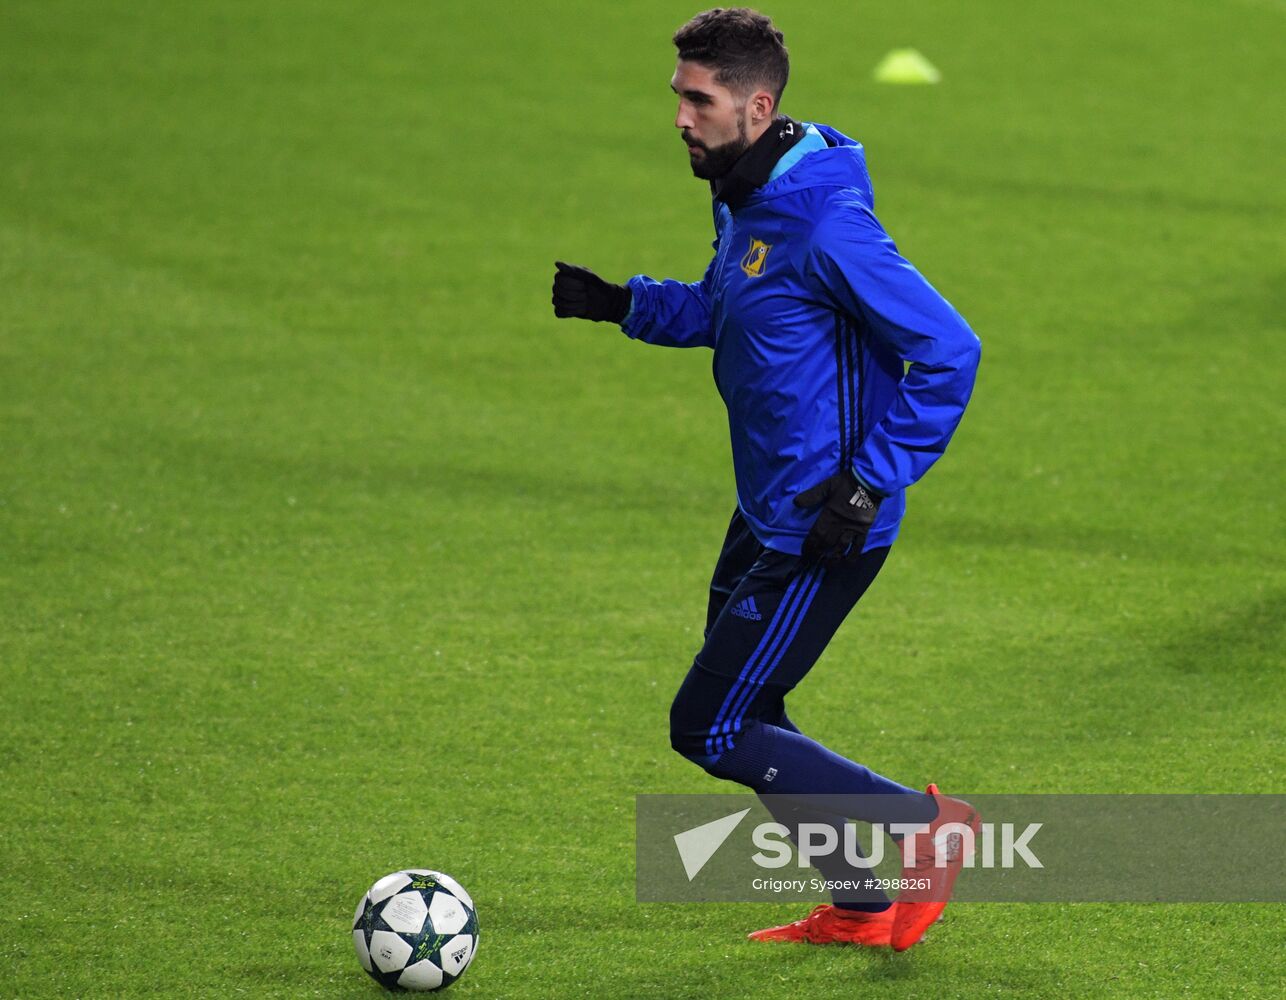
{"x":753,"y":262}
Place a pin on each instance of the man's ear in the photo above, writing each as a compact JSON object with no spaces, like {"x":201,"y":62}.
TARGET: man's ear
{"x":762,"y":107}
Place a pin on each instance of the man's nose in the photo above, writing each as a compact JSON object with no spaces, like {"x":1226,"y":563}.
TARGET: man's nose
{"x":682,"y":119}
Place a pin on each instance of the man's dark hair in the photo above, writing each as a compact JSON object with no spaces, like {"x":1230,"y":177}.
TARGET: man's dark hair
{"x":741,"y":45}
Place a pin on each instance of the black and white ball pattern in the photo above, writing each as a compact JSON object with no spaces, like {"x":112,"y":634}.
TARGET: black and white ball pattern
{"x":416,"y":930}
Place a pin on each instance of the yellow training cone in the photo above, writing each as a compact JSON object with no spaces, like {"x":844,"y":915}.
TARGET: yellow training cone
{"x":906,"y":66}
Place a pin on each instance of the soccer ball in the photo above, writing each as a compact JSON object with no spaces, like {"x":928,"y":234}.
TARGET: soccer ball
{"x":416,"y":930}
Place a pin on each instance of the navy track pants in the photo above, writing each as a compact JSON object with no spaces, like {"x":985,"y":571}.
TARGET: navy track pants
{"x":769,"y":619}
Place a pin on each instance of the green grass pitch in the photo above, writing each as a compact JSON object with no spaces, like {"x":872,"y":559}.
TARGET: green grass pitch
{"x":325,"y":550}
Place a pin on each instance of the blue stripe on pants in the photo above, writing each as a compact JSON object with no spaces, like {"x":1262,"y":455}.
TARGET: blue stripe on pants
{"x":767,"y":667}
{"x":781,"y":621}
{"x":778,"y":615}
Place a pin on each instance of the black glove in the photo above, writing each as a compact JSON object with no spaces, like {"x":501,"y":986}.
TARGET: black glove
{"x":580,"y":293}
{"x":848,"y":512}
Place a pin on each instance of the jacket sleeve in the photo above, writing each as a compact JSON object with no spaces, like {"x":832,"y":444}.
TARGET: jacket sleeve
{"x":670,"y":313}
{"x":853,"y":264}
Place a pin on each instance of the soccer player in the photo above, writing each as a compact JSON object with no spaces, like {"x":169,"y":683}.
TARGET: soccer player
{"x":845,"y":374}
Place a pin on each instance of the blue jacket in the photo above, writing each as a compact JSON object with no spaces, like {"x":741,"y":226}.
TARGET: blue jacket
{"x":812,"y":312}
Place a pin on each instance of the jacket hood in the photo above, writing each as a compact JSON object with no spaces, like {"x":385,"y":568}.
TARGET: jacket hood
{"x":842,"y":164}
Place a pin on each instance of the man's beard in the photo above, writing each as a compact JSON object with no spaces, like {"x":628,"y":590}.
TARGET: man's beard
{"x":718,"y":160}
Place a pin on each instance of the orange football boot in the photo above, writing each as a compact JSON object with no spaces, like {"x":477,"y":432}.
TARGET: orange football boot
{"x":916,"y":908}
{"x":829,"y":924}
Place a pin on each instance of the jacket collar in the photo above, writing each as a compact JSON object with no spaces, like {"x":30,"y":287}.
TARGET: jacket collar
{"x":753,"y":169}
